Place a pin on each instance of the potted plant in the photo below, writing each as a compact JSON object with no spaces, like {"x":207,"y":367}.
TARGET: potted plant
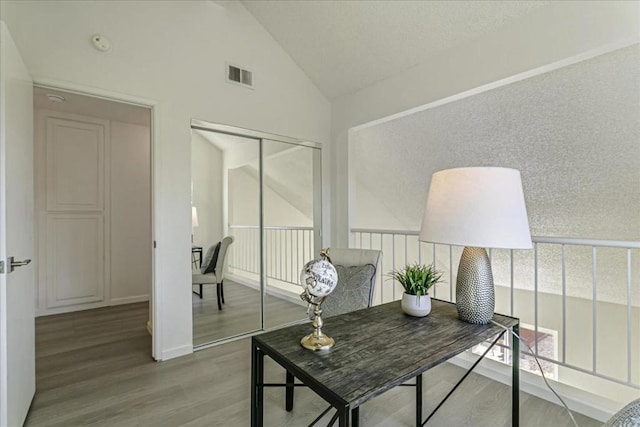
{"x":416,"y":280}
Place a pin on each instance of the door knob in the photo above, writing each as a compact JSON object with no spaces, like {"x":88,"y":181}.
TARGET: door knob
{"x":13,"y":264}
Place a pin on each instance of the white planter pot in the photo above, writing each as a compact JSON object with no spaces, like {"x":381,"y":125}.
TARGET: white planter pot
{"x":416,"y":306}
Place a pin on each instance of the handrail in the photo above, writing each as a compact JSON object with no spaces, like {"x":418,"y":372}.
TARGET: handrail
{"x":269,"y":227}
{"x":626,"y":244}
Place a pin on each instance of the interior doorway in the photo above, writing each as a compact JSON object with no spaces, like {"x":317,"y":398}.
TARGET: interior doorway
{"x":93,"y":204}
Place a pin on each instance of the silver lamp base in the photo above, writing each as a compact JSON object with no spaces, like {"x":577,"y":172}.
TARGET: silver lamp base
{"x":475,"y":295}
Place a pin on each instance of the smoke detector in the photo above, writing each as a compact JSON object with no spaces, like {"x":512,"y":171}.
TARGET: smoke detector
{"x":101,"y":43}
{"x":55,"y":98}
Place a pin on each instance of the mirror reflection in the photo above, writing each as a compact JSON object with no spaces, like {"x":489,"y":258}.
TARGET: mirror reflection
{"x":288,"y":200}
{"x":255,"y":222}
{"x":224,"y":191}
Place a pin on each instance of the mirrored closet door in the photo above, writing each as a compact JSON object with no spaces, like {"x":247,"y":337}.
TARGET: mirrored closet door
{"x":256,"y":217}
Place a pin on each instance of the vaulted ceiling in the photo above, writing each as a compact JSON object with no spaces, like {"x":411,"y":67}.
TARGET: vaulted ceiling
{"x":344,"y":46}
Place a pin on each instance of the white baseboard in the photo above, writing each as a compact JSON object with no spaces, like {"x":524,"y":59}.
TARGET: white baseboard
{"x":90,"y":306}
{"x":70,"y":308}
{"x":176,"y":352}
{"x":129,"y":300}
{"x":578,"y":400}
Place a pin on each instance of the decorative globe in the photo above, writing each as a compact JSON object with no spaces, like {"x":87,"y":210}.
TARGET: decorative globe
{"x":319,"y":277}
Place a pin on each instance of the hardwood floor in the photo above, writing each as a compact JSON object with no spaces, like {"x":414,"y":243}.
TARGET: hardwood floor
{"x":94,"y":369}
{"x":240,"y":313}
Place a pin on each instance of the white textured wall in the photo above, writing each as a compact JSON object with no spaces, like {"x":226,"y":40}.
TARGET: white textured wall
{"x":573,"y":133}
{"x":556,"y":33}
{"x":173,"y":54}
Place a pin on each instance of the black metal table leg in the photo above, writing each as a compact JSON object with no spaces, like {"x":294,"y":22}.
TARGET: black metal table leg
{"x":419,"y":400}
{"x":455,"y":387}
{"x":515,"y":381}
{"x":289,"y":391}
{"x":355,"y":417}
{"x":257,"y":381}
{"x":343,"y":414}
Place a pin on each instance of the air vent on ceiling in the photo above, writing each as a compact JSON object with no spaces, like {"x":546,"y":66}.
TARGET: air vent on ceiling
{"x":239,"y":76}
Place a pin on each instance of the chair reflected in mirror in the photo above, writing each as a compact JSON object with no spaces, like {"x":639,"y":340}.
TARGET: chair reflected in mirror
{"x":212,"y":270}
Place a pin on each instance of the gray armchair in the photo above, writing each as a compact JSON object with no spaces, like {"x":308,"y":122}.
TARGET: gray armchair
{"x":357,"y":270}
{"x":212,"y":271}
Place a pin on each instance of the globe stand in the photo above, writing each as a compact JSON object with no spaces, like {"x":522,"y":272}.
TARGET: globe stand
{"x":317,"y":340}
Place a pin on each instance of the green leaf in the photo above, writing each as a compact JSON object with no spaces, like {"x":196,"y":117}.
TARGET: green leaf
{"x":416,"y":279}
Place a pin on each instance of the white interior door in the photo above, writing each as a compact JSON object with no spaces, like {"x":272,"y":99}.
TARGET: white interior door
{"x":17,"y":324}
{"x":73,"y":213}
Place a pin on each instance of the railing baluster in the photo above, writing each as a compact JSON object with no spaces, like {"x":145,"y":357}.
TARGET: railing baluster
{"x":564,"y":303}
{"x":381,"y":268}
{"x":629,"y":315}
{"x":535,"y":297}
{"x":594,"y":260}
{"x":511,"y":282}
{"x":298,"y":266}
{"x":450,"y":273}
{"x":393,"y":267}
{"x":406,"y":254}
{"x":435,"y":288}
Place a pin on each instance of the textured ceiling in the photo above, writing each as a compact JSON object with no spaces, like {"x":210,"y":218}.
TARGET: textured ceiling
{"x":344,"y":46}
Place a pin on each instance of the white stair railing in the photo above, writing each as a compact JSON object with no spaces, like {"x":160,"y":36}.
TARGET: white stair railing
{"x":287,"y":249}
{"x":585,"y":292}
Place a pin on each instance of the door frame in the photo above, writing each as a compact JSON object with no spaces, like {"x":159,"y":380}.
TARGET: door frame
{"x":155,"y":325}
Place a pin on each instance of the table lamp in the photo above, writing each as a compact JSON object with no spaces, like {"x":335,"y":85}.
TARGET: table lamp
{"x":478,"y":208}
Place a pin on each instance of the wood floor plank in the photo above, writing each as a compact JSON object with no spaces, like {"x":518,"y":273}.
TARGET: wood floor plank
{"x":115,"y":383}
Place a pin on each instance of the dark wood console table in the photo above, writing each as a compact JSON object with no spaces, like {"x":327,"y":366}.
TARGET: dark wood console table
{"x":376,"y":349}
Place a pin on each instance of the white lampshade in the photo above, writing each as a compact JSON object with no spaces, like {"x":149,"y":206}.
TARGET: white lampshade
{"x":479,"y":207}
{"x":194,"y":217}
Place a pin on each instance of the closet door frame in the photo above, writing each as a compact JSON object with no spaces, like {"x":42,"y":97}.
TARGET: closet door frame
{"x":260,"y":137}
